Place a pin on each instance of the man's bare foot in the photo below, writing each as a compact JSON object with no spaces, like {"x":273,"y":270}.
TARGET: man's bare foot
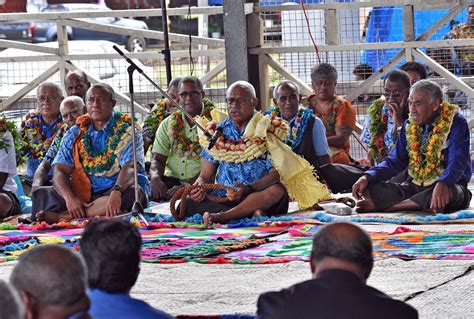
{"x":259,"y":213}
{"x":365,"y":206}
{"x":49,"y":217}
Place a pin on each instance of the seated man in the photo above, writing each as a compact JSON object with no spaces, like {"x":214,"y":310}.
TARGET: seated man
{"x":416,"y":71}
{"x":39,"y":128}
{"x":71,"y":108}
{"x":434,"y":145}
{"x":158,"y":113}
{"x":77,"y":84}
{"x":93,"y":171}
{"x":307,"y":135}
{"x":463,"y":57}
{"x":51,"y":281}
{"x":257,"y":183}
{"x":337,"y":114}
{"x":9,"y":204}
{"x":386,"y":116}
{"x":113,"y":268}
{"x":341,"y":262}
{"x":175,"y":153}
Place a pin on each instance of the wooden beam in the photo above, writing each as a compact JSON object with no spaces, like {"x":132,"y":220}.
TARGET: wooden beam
{"x":304,"y":88}
{"x":5,"y":105}
{"x":141,"y":32}
{"x":365,"y":46}
{"x":331,"y":26}
{"x":361,"y":89}
{"x":453,"y":79}
{"x":215,"y":71}
{"x":28,"y":46}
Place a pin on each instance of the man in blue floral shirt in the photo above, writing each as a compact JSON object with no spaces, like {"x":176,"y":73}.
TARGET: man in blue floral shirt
{"x":256,"y":187}
{"x":93,"y":171}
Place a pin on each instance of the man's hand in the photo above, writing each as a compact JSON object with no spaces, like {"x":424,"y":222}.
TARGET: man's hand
{"x":75,"y":207}
{"x":359,"y":187}
{"x":440,"y":198}
{"x":397,"y":112}
{"x":113,"y":204}
{"x":170,"y":192}
{"x":240,"y":193}
{"x":158,"y":189}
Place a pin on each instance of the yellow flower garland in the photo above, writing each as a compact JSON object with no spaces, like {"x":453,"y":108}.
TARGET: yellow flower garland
{"x":426,"y":168}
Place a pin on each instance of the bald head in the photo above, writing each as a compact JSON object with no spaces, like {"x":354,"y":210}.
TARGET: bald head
{"x":52,"y":275}
{"x":344,"y":246}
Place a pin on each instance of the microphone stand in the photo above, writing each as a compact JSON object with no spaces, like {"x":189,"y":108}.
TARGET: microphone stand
{"x":137,"y":208}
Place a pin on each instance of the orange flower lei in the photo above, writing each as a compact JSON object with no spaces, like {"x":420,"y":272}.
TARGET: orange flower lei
{"x":424,"y":164}
{"x":182,"y":145}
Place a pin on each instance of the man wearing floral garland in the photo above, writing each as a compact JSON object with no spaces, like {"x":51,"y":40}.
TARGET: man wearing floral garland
{"x":175,"y":154}
{"x":9,"y":204}
{"x":307,"y":135}
{"x":39,"y":128}
{"x":434,"y":146}
{"x":93,"y":171}
{"x":71,"y":108}
{"x":158,"y":113}
{"x":386,"y":116}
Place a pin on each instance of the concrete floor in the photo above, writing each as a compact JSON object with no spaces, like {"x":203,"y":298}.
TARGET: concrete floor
{"x":441,"y":289}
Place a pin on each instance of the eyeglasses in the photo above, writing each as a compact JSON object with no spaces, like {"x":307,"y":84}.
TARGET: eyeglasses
{"x":394,"y":95}
{"x":192,"y":94}
{"x":239,"y":100}
{"x":292,"y":98}
{"x":43,"y":98}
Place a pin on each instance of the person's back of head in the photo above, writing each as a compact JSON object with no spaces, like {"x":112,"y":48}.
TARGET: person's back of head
{"x":111,"y":249}
{"x":342,"y":246}
{"x":51,"y":280}
{"x":10,"y":303}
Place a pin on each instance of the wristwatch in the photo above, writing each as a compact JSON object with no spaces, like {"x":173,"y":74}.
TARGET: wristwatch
{"x":118,"y":188}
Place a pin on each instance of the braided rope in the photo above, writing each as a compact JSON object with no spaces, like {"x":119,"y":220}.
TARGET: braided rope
{"x":183,"y":192}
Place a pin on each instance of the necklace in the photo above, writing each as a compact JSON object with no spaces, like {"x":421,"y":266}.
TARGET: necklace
{"x":35,"y":145}
{"x":425,"y":164}
{"x":378,"y":128}
{"x":182,"y":145}
{"x":297,"y":125}
{"x":98,"y":161}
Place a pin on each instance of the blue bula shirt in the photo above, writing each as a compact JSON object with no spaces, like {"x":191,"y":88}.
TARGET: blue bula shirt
{"x":98,"y":141}
{"x":229,"y":173}
{"x":456,"y":163}
{"x":106,"y":305}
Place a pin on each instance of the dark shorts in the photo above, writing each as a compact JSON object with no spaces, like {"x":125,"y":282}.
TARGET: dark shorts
{"x":193,"y":207}
{"x":387,"y":194}
{"x":16,"y":207}
{"x":46,"y":198}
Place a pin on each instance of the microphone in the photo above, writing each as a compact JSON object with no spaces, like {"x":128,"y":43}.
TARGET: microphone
{"x":215,"y":137}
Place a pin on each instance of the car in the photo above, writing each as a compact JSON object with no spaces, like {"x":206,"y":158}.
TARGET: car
{"x":46,"y":31}
{"x":15,"y":75}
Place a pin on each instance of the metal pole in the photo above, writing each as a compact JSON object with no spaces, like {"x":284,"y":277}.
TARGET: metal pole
{"x":166,"y":52}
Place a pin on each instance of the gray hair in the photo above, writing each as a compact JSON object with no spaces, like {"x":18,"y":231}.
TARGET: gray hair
{"x":78,"y":102}
{"x":191,"y":79}
{"x":52,"y":274}
{"x":244,"y":85}
{"x":175,"y":83}
{"x":57,"y":87}
{"x":11,"y":306}
{"x":432,"y":88}
{"x":285,"y":83}
{"x":324,"y":70}
{"x":104,"y":86}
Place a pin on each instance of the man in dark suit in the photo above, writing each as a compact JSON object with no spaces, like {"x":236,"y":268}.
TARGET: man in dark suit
{"x":341,"y":262}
